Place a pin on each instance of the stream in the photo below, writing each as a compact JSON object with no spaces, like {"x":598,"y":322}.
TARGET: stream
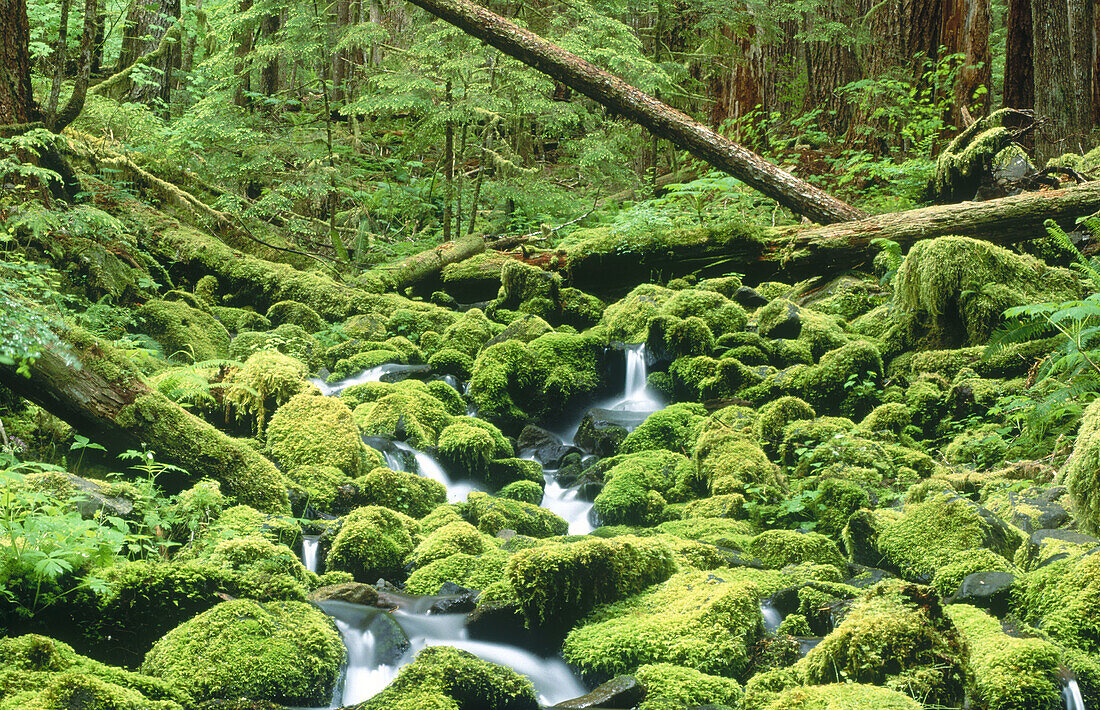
{"x":379,"y":642}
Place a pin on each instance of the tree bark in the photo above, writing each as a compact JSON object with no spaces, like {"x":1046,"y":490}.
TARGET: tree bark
{"x":601,"y":264}
{"x":16,"y":98}
{"x":1019,"y":86}
{"x":1053,"y":75}
{"x":102,"y":395}
{"x":146,"y":25}
{"x":664,"y":121}
{"x":1081,"y":48}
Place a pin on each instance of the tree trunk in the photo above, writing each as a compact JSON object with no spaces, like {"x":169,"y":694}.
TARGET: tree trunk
{"x":16,"y":98}
{"x":1081,"y":46}
{"x":1019,"y":86}
{"x":601,"y":264}
{"x":1053,"y":75}
{"x":965,"y":30}
{"x":56,"y":120}
{"x":147,"y":24}
{"x":102,"y":395}
{"x":622,"y":98}
{"x":269,"y":73}
{"x":242,"y":45}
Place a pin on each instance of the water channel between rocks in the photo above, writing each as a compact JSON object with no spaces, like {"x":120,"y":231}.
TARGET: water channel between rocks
{"x":380,"y":642}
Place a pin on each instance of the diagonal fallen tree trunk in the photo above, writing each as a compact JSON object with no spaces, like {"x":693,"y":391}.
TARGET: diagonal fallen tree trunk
{"x":100,"y":393}
{"x":661,"y":119}
{"x":600,"y":261}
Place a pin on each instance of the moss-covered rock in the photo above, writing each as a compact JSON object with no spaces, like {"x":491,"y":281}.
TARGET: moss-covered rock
{"x":468,"y":446}
{"x":697,"y":620}
{"x":558,"y":583}
{"x":674,"y":428}
{"x":408,"y":410}
{"x":450,"y":539}
{"x":842,"y":696}
{"x":1082,"y":472}
{"x":776,"y":415}
{"x":638,"y":486}
{"x":667,"y":686}
{"x":779,"y":548}
{"x":266,"y":381}
{"x":186,"y":334}
{"x":406,"y":493}
{"x":1062,"y":598}
{"x":523,"y":490}
{"x":443,"y":678}
{"x":288,"y":339}
{"x":491,"y":515}
{"x":372,"y":542}
{"x":313,"y":429}
{"x":296,"y":313}
{"x":472,"y":571}
{"x":287,"y":652}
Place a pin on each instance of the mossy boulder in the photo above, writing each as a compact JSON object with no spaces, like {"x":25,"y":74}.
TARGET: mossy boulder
{"x":841,"y":696}
{"x":638,"y":486}
{"x":1082,"y":471}
{"x":442,"y":678}
{"x":674,"y":428}
{"x":372,"y":542}
{"x":558,"y":583}
{"x":410,"y":410}
{"x":491,"y":515}
{"x":696,"y":620}
{"x":667,"y":686}
{"x":298,"y":314}
{"x":266,"y":381}
{"x":468,"y":446}
{"x":457,"y":537}
{"x":779,"y":548}
{"x":186,"y":334}
{"x":406,"y":493}
{"x":1062,"y":598}
{"x":288,"y":339}
{"x":313,"y":429}
{"x":523,"y":490}
{"x":896,"y":635}
{"x":285,"y":652}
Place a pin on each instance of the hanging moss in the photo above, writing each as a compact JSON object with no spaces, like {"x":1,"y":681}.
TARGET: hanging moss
{"x":266,"y":381}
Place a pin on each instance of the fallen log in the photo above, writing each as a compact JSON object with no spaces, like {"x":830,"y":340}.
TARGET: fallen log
{"x":661,"y":119}
{"x":597,"y":260}
{"x":427,"y":264}
{"x":101,"y":394}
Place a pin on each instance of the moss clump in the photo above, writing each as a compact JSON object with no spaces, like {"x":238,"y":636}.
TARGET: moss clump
{"x":186,"y":334}
{"x":668,"y":686}
{"x":697,"y":620}
{"x":266,"y":381}
{"x":468,"y":446}
{"x":1063,"y":600}
{"x":1082,"y":472}
{"x":720,"y":314}
{"x":637,"y":486}
{"x":627,"y":319}
{"x":491,"y":515}
{"x":842,"y":696}
{"x":524,"y":491}
{"x":896,"y":635}
{"x":950,"y":576}
{"x":45,"y":674}
{"x":674,"y":428}
{"x":286,"y":652}
{"x":296,"y":313}
{"x":841,"y":383}
{"x":324,"y":488}
{"x":504,"y":472}
{"x":951,"y":291}
{"x":372,"y":542}
{"x":776,"y":415}
{"x":557,"y":584}
{"x":443,"y":678}
{"x":729,"y":464}
{"x":729,"y":505}
{"x":313,"y":429}
{"x":450,"y":539}
{"x":779,"y":548}
{"x":409,"y":410}
{"x":1009,"y":673}
{"x":479,"y":571}
{"x":288,"y":339}
{"x":406,"y":493}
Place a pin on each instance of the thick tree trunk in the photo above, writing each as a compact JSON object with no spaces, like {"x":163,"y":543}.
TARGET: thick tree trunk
{"x":664,"y":121}
{"x":1019,"y":86}
{"x":16,"y":98}
{"x":1053,"y":74}
{"x":146,"y":25}
{"x":601,"y":264}
{"x":102,"y":395}
{"x":1081,"y":47}
{"x":965,"y":29}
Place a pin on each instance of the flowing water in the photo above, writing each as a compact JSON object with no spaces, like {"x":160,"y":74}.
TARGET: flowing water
{"x":374,"y":374}
{"x":309,"y":552}
{"x":1071,"y":692}
{"x":772,"y":617}
{"x":398,"y":455}
{"x":567,"y":504}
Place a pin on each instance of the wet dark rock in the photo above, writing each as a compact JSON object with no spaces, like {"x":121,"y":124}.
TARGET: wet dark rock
{"x":619,"y":693}
{"x":749,"y":298}
{"x":987,"y":590}
{"x":504,"y":623}
{"x":544,"y":446}
{"x":602,"y":430}
{"x":863,"y":576}
{"x":787,"y":326}
{"x":1036,"y":509}
{"x":91,"y":498}
{"x":454,"y":599}
{"x":1039,"y":538}
{"x":350,"y":592}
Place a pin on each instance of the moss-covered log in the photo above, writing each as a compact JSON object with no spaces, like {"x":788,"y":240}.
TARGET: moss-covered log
{"x":99,"y":392}
{"x":426,"y":264}
{"x":599,"y":260}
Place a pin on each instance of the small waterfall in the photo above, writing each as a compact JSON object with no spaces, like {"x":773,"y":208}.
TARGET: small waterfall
{"x":1071,"y":691}
{"x":772,"y":618}
{"x":636,"y":394}
{"x":309,"y":551}
{"x":373,"y":374}
{"x":396,"y":454}
{"x":567,"y":503}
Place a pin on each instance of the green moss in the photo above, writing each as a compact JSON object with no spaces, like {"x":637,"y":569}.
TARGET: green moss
{"x":779,"y":548}
{"x":674,"y":428}
{"x":557,"y":584}
{"x":443,"y":678}
{"x":288,"y":339}
{"x":1008,"y":672}
{"x":266,"y":381}
{"x":579,"y":309}
{"x":450,"y":539}
{"x":834,"y":384}
{"x":950,"y":576}
{"x":891,"y":418}
{"x":296,"y":313}
{"x":406,"y":493}
{"x":313,"y":429}
{"x":842,"y":696}
{"x":727,"y":463}
{"x":318,"y":486}
{"x":504,"y":472}
{"x":244,"y":520}
{"x":669,"y":686}
{"x":982,"y":447}
{"x":1062,"y":598}
{"x":637,"y":486}
{"x":1082,"y":472}
{"x":186,"y":334}
{"x":287,"y":652}
{"x":372,"y":542}
{"x":951,"y":291}
{"x":449,"y":361}
{"x":627,"y":319}
{"x":524,"y":491}
{"x":732,"y":534}
{"x":348,"y":366}
{"x":776,"y":415}
{"x":697,"y":620}
{"x":478,"y":571}
{"x":686,"y":337}
{"x":491,"y":515}
{"x":469,"y":445}
{"x":720,"y":314}
{"x":443,"y":515}
{"x":897,"y":636}
{"x":408,"y":408}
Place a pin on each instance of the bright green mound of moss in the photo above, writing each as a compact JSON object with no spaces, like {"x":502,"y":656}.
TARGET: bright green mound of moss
{"x":779,"y":548}
{"x":186,"y":334}
{"x":1082,"y":472}
{"x":443,"y":678}
{"x":628,"y":318}
{"x":674,"y":428}
{"x":296,"y":313}
{"x":408,"y":408}
{"x":491,"y":515}
{"x":1063,"y":600}
{"x":314,"y":429}
{"x":667,"y":686}
{"x":843,"y":696}
{"x":406,"y":493}
{"x":638,"y":486}
{"x":288,"y":339}
{"x":695,"y":619}
{"x":40,"y":673}
{"x":449,"y":539}
{"x":557,"y":584}
{"x":468,"y":447}
{"x":265,"y":382}
{"x":372,"y":543}
{"x":479,"y":572}
{"x":895,"y":635}
{"x":1008,"y":673}
{"x":286,"y":652}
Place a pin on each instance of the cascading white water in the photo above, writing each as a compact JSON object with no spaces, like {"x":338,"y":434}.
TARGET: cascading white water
{"x":1071,"y":692}
{"x":636,"y":394}
{"x":772,"y":618}
{"x":566,"y":503}
{"x":428,"y":467}
{"x":373,"y":374}
{"x":309,"y":552}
